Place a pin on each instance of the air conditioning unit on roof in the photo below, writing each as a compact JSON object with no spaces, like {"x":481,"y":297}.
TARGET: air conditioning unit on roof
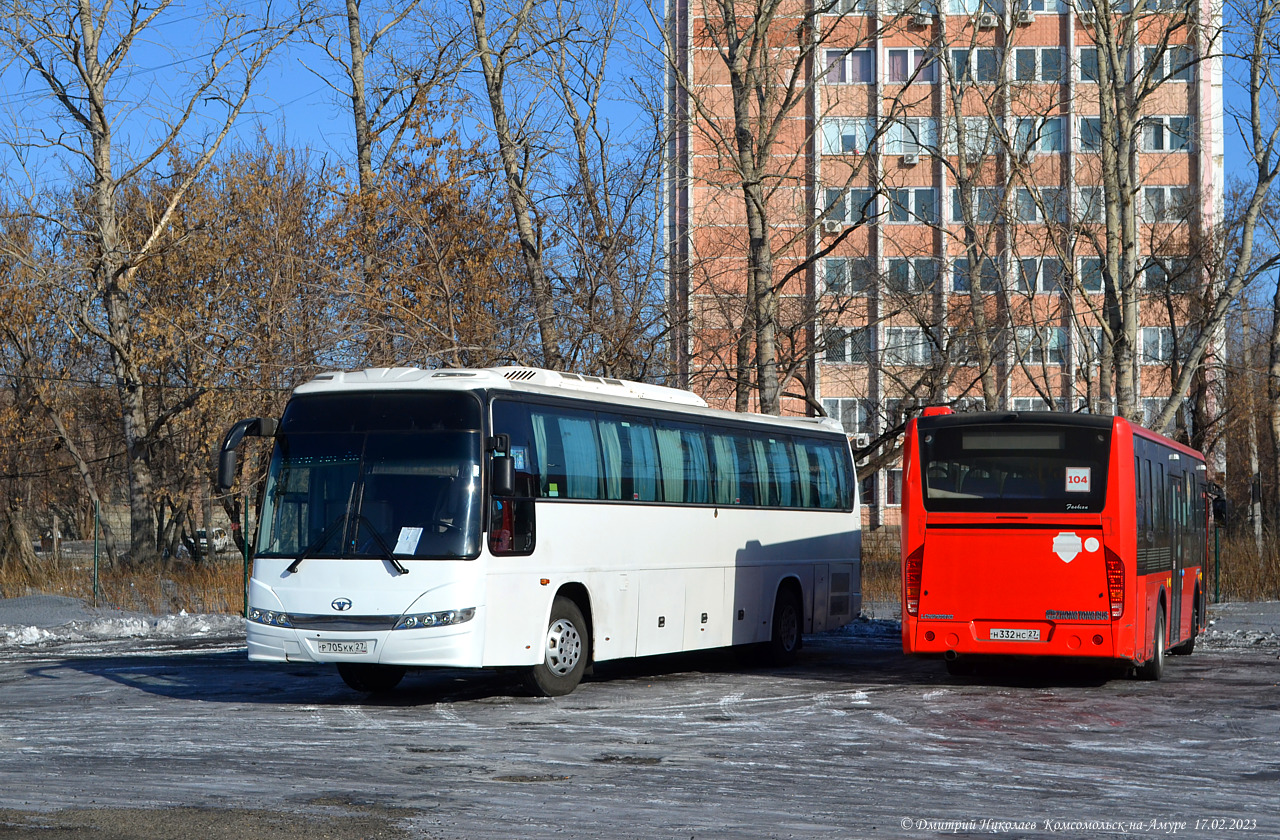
{"x":910,"y":159}
{"x":921,"y":19}
{"x":832,"y":226}
{"x":861,"y":441}
{"x":987,"y":20}
{"x":1087,"y":17}
{"x":1026,"y":17}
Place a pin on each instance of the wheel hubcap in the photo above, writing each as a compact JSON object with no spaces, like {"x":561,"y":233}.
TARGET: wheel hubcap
{"x":564,"y":647}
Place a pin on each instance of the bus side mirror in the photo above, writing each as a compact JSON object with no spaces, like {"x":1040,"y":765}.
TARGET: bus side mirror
{"x":253,"y":427}
{"x":502,"y":476}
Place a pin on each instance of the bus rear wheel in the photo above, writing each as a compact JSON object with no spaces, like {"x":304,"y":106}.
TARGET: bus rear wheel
{"x":788,"y":619}
{"x":565,"y":648}
{"x":1153,"y":668}
{"x":373,"y":679}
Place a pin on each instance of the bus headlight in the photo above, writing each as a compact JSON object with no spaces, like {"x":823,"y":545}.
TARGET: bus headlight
{"x":444,"y":618}
{"x":275,"y":619}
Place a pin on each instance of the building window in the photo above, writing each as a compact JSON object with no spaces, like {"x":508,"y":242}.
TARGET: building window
{"x":988,"y":275}
{"x":867,"y":490}
{"x":853,"y":413}
{"x":1165,"y":204}
{"x":1090,"y":134}
{"x":1089,"y":346}
{"x":913,"y":205}
{"x":849,"y":345}
{"x":1040,"y":275}
{"x":854,"y":7}
{"x":850,"y":67}
{"x":1088,"y":63}
{"x":976,"y":65}
{"x":1046,"y":204}
{"x":1166,"y":134}
{"x":1169,"y":274}
{"x":985,"y":202}
{"x":1037,"y":64}
{"x":1037,"y":134}
{"x":911,"y":136}
{"x":847,"y":135}
{"x":893,"y":488}
{"x":847,"y":275}
{"x":1052,"y":7}
{"x":906,"y":346}
{"x":911,"y":65}
{"x":912,"y":276}
{"x":912,"y":7}
{"x":1091,"y":272}
{"x":1091,"y":207}
{"x":852,"y":207}
{"x":971,"y":136}
{"x":1157,"y":345}
{"x":1169,"y":63}
{"x":973,"y":7}
{"x":1040,"y":345}
{"x":1028,"y":404}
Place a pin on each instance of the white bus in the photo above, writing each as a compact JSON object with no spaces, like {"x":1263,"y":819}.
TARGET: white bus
{"x":515,"y":517}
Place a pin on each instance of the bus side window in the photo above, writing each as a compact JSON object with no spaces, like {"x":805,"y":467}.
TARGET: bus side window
{"x":512,"y":419}
{"x":725,"y":483}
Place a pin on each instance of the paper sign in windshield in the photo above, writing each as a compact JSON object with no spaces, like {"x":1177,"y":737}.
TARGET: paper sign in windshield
{"x":407,"y":543}
{"x":1078,"y":479}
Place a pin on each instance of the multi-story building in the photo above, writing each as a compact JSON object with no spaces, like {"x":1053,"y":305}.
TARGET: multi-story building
{"x":937,"y":210}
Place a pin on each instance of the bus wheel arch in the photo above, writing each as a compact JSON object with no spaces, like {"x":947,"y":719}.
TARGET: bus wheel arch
{"x":566,"y":646}
{"x":787,"y":626}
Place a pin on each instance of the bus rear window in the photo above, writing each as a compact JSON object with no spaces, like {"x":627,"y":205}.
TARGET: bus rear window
{"x":1015,"y":468}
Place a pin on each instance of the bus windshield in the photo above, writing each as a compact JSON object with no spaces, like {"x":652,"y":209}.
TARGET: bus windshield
{"x":1017,"y":468}
{"x":365,"y":475}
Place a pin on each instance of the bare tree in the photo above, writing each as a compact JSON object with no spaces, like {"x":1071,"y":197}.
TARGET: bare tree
{"x":80,"y":55}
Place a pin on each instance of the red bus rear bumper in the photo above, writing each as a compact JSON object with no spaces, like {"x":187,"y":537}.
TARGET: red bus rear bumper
{"x":1055,"y":638}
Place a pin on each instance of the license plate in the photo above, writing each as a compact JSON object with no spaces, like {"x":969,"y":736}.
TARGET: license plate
{"x":347,"y":648}
{"x":1011,"y":635}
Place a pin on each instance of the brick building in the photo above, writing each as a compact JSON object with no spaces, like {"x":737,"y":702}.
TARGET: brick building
{"x":935,"y":213}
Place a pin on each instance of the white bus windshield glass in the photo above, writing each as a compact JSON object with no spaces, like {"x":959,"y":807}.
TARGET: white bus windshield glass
{"x":363,"y":475}
{"x":1013,"y":468}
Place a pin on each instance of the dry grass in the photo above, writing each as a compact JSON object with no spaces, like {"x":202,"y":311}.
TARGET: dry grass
{"x":218,"y":586}
{"x":211,"y":587}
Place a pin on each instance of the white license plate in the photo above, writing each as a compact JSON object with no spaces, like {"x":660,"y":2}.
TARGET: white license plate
{"x":1011,"y":635}
{"x":348,"y":648}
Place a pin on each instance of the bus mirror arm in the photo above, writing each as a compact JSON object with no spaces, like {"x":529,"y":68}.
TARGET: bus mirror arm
{"x":253,"y":427}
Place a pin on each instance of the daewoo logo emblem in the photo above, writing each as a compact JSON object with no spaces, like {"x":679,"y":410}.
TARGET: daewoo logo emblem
{"x":341,"y":604}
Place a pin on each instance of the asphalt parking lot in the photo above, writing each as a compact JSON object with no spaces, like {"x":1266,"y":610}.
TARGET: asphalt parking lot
{"x":177,"y":737}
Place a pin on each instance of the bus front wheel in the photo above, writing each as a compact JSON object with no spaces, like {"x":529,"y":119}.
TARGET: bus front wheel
{"x":373,"y":679}
{"x":565,"y":646}
{"x":1153,"y":668}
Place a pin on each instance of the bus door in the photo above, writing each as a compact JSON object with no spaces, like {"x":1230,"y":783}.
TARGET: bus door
{"x":1178,"y":529}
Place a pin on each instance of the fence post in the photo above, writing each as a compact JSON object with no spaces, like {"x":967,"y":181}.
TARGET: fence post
{"x":245,"y":541}
{"x":96,"y":514}
{"x":1217,"y":565}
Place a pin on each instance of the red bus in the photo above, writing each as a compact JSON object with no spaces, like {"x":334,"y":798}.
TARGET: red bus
{"x":1050,"y":534}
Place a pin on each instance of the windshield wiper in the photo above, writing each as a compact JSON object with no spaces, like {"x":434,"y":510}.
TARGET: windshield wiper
{"x":321,"y":540}
{"x":387,"y":554}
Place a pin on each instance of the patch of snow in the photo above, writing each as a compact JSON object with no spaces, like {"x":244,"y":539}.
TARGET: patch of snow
{"x":176,"y":627}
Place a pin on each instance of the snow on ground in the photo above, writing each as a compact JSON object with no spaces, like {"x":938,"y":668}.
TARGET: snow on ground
{"x":36,"y":621}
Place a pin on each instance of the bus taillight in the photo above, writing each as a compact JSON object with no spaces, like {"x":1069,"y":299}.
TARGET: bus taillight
{"x":1115,"y":583}
{"x":915,"y":564}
